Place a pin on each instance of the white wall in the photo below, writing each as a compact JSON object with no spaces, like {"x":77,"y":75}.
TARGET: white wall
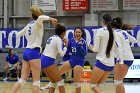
{"x":0,"y":7}
{"x":22,"y":7}
{"x":90,"y":19}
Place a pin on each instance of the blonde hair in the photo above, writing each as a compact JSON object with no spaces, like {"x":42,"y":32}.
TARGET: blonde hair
{"x":36,"y":11}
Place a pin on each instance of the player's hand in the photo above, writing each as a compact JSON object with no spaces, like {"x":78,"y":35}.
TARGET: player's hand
{"x":65,"y":42}
{"x":91,"y":47}
{"x":54,"y":21}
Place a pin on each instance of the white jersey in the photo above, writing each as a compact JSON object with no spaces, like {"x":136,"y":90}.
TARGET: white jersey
{"x":34,"y":32}
{"x":100,"y":45}
{"x":54,"y":46}
{"x":125,"y":40}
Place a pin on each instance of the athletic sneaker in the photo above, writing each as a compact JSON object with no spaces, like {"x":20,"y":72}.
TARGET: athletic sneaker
{"x":5,"y":79}
{"x":18,"y":78}
{"x":44,"y":88}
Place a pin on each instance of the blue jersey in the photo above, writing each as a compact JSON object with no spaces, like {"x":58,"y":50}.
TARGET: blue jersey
{"x":12,"y":60}
{"x":78,"y":49}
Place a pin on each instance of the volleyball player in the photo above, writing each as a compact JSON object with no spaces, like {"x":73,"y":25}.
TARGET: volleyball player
{"x":127,"y":54}
{"x":65,"y":58}
{"x":78,"y":48}
{"x":104,"y":46}
{"x":31,"y":56}
{"x":52,"y":48}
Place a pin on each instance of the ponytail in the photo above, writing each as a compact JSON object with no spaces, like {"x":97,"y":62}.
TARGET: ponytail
{"x":110,"y":41}
{"x":107,"y":20}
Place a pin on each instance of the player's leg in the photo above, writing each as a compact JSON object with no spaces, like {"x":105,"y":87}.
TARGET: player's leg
{"x":24,"y":76}
{"x":62,"y":69}
{"x":118,"y":77}
{"x":52,"y":84}
{"x":77,"y":75}
{"x":65,"y":67}
{"x":35,"y":65}
{"x":102,"y":80}
{"x":55,"y":74}
{"x":96,"y":76}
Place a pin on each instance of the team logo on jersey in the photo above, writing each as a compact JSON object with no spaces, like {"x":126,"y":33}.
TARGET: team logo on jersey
{"x":81,"y":42}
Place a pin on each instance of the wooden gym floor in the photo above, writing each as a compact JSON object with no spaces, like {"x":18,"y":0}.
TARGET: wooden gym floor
{"x":5,"y":87}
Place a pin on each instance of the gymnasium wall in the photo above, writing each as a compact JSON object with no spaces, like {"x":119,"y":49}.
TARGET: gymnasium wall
{"x":19,"y":15}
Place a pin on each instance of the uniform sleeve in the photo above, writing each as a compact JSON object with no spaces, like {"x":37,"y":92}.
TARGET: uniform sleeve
{"x":119,"y":48}
{"x":42,"y":18}
{"x":17,"y":58}
{"x":7,"y":58}
{"x":60,"y":48}
{"x":22,"y":32}
{"x":82,"y":48}
{"x":97,"y":41}
{"x":131,"y":38}
{"x":39,"y":22}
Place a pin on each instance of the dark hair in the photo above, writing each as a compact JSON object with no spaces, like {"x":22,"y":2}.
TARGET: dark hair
{"x":107,"y":20}
{"x":9,"y":51}
{"x":82,"y":30}
{"x":59,"y":29}
{"x":117,"y":23}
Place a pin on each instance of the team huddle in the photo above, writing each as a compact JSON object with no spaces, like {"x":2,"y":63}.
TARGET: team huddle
{"x":111,"y":43}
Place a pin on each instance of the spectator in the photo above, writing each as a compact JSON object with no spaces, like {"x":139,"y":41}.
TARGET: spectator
{"x":12,"y":62}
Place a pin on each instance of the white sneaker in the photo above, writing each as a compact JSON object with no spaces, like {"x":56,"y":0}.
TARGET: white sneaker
{"x":5,"y":79}
{"x":18,"y":78}
{"x":44,"y":88}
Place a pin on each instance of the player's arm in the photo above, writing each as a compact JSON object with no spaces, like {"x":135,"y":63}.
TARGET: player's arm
{"x":131,"y":38}
{"x":119,"y":47}
{"x":44,"y":17}
{"x":96,"y":42}
{"x":62,"y":50}
{"x":22,"y":32}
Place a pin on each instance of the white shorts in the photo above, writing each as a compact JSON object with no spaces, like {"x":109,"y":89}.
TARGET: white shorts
{"x":12,"y":66}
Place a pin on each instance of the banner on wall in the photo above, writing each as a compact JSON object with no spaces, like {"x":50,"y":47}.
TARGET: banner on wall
{"x":134,"y":70}
{"x":8,"y":36}
{"x":75,"y":4}
{"x":105,"y":5}
{"x":8,"y":39}
{"x":136,"y":34}
{"x":131,"y":4}
{"x":45,"y":5}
